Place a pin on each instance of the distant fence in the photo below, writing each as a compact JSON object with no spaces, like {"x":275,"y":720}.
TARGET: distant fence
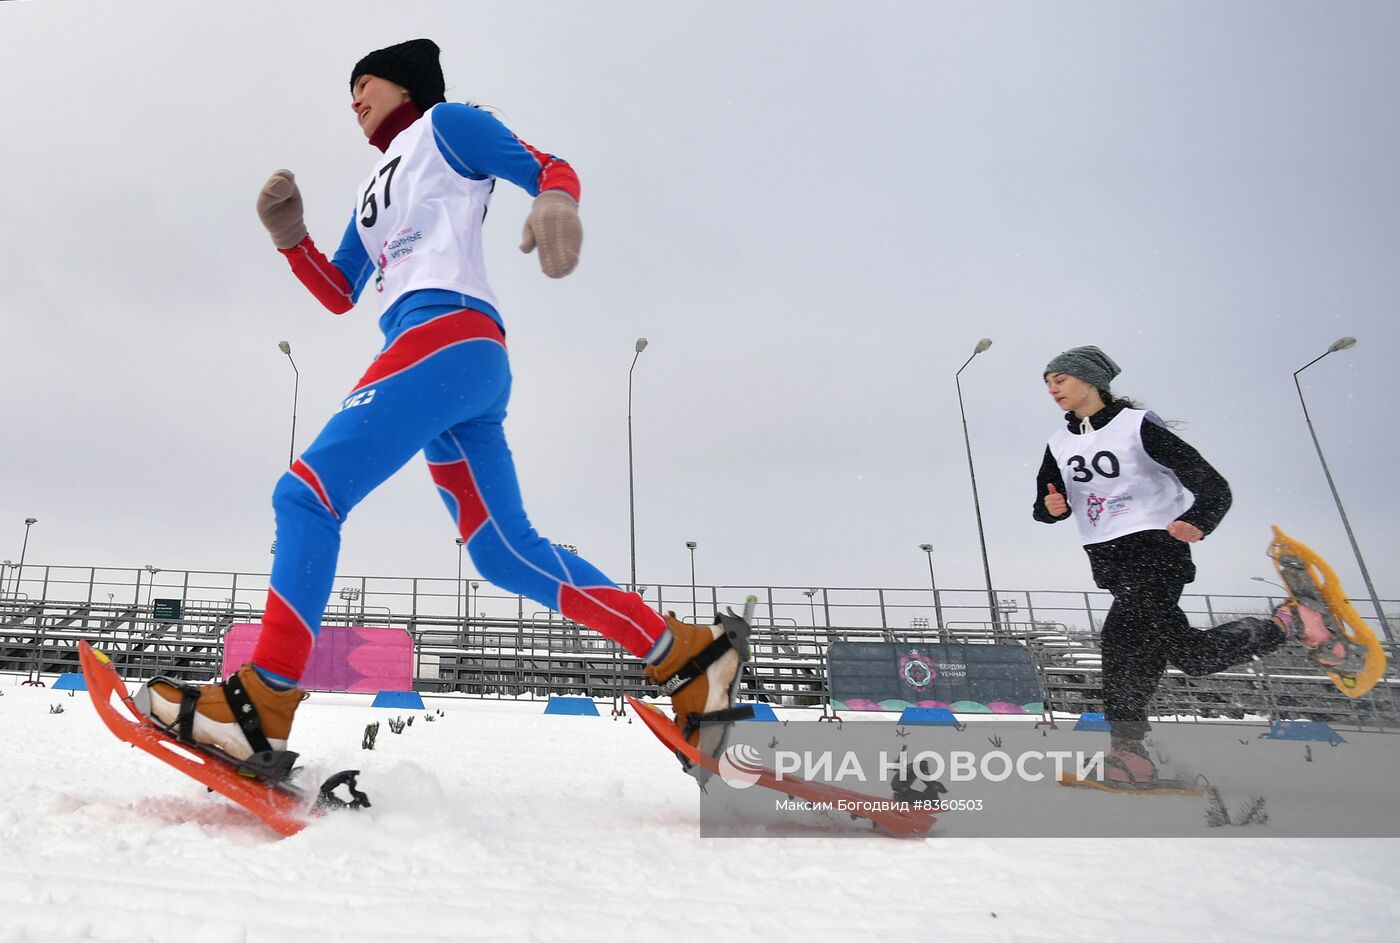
{"x":471,"y":639}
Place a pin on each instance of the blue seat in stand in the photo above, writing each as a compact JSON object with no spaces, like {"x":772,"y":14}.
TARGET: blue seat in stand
{"x":399,"y":700}
{"x":761,"y":712}
{"x":1304,"y":730}
{"x":929,"y":717}
{"x":72,"y":681}
{"x":1091,"y":722}
{"x":572,"y":706}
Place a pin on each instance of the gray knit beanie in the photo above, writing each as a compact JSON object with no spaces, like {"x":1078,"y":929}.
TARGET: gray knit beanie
{"x":1089,"y":364}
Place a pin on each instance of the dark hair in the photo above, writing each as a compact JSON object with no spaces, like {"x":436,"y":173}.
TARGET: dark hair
{"x":1110,"y":399}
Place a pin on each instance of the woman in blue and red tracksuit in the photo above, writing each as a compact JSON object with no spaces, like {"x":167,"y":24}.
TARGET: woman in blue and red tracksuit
{"x":440,"y":385}
{"x":1122,"y":475}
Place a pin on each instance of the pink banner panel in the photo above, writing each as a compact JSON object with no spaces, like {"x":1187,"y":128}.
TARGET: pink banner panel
{"x":346,"y":658}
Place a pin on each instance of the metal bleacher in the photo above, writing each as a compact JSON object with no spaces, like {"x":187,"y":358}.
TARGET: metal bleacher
{"x":503,"y":650}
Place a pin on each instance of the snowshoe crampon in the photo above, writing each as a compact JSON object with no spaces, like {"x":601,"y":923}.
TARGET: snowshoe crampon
{"x":1312,"y":583}
{"x":900,"y":819}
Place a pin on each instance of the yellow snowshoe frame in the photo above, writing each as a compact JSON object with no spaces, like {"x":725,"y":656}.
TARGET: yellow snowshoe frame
{"x":1345,"y":617}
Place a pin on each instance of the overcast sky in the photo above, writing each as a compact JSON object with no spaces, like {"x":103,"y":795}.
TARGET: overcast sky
{"x":812,"y":210}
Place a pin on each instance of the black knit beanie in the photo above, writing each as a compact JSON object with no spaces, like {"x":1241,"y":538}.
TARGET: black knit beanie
{"x":412,"y":64}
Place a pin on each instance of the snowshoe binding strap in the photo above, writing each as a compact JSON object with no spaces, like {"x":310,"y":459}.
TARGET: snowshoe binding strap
{"x":698,"y":665}
{"x":729,"y":715}
{"x":713,"y":728}
{"x":327,"y":799}
{"x":183,"y":728}
{"x":736,"y":629}
{"x":273,"y":766}
{"x":1303,"y":586}
{"x":735,"y":637}
{"x":244,"y":714}
{"x":1353,"y":658}
{"x":915,"y":783}
{"x":184,"y":720}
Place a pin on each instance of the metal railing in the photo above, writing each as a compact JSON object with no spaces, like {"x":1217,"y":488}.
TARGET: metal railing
{"x":487,"y":644}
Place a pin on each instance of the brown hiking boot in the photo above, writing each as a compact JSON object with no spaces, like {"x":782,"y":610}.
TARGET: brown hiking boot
{"x":701,"y":670}
{"x":204,"y":715}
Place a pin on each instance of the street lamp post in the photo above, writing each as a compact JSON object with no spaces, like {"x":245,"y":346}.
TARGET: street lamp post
{"x":286,"y":348}
{"x":811,"y":606}
{"x":24,"y":548}
{"x":150,"y":590}
{"x":1343,"y":343}
{"x":640,"y":346}
{"x":694,"y":609}
{"x":937,"y":603}
{"x":1270,"y":598}
{"x":982,"y":345}
{"x":460,"y":544}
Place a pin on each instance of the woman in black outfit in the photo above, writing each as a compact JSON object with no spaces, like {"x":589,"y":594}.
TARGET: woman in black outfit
{"x":1122,"y":474}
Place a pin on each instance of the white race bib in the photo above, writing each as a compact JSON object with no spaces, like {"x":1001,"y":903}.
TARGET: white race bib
{"x":1112,"y":485}
{"x":420,"y":220}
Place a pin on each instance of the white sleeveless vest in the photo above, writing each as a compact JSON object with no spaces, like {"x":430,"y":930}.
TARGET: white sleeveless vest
{"x":420,"y":220}
{"x":1113,"y":486}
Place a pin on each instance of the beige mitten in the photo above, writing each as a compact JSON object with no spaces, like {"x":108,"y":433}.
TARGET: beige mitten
{"x":279,"y":208}
{"x":554,"y":226}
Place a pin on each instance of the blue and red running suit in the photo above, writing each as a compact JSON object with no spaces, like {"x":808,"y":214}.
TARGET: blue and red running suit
{"x":440,"y":385}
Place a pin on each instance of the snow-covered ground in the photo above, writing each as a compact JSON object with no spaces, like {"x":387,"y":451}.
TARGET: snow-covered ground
{"x":497,"y":822}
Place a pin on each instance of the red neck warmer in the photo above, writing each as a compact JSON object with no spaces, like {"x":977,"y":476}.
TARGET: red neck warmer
{"x":394,"y":122}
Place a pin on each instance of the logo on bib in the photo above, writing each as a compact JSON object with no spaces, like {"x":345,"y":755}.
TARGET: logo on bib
{"x":1119,"y":505}
{"x":396,"y":250}
{"x":401,"y":245}
{"x":1094,"y":509}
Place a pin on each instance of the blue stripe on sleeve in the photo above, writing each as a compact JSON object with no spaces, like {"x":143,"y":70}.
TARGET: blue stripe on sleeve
{"x":476,"y":145}
{"x":352,"y":259}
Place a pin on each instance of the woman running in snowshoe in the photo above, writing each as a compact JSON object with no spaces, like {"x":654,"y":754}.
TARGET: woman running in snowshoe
{"x":439,"y":385}
{"x":1122,"y":475}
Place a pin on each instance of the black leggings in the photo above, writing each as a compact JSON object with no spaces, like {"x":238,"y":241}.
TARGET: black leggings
{"x":1146,"y":629}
